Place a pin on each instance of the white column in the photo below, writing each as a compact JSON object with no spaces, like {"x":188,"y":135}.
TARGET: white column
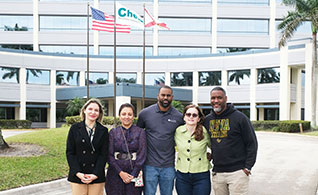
{"x":155,"y":33}
{"x":167,"y":79}
{"x":82,"y":78}
{"x":139,"y":106}
{"x":121,"y":100}
{"x":52,"y":117}
{"x":308,"y":81}
{"x":214,"y":25}
{"x":139,"y":78}
{"x":36,"y":25}
{"x":111,"y":77}
{"x":272,"y":25}
{"x":284,"y":103}
{"x":110,"y":107}
{"x":224,"y":79}
{"x":296,"y":107}
{"x":23,"y":95}
{"x":96,"y":33}
{"x":195,"y":87}
{"x":261,"y":114}
{"x":253,"y":110}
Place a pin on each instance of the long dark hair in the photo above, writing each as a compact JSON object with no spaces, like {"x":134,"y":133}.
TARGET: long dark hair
{"x":198,"y":132}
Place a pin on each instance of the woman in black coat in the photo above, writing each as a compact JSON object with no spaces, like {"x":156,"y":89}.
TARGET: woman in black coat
{"x":87,"y":150}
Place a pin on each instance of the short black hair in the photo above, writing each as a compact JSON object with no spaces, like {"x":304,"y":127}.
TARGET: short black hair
{"x":218,"y":89}
{"x":126,"y":105}
{"x":165,"y":87}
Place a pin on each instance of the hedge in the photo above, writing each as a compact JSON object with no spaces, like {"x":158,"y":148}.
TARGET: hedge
{"x":281,"y":126}
{"x":107,"y":120}
{"x":15,"y":124}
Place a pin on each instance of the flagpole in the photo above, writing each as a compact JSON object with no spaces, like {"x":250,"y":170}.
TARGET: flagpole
{"x":87,"y":81}
{"x":143,"y":61}
{"x":114,"y":107}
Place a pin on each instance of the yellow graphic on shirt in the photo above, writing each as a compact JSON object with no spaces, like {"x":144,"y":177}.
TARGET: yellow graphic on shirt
{"x":219,"y":128}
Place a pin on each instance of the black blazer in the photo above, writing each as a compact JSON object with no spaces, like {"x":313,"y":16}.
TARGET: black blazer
{"x":80,"y":155}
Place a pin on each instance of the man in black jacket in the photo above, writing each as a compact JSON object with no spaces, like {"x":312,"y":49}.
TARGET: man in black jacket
{"x":234,"y":145}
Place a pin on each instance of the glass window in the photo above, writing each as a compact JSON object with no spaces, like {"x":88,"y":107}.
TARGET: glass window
{"x":63,"y":23}
{"x":305,"y":27}
{"x":254,"y":2}
{"x":157,"y":79}
{"x":67,"y":78}
{"x":181,"y":79}
{"x":268,"y":75}
{"x":236,"y":49}
{"x":212,"y":78}
{"x":20,"y":47}
{"x":16,"y":23}
{"x":239,"y":77}
{"x":36,"y":76}
{"x":242,"y":26}
{"x":179,"y":51}
{"x":126,"y":77}
{"x":124,"y":51}
{"x":97,"y":78}
{"x":36,"y":114}
{"x":6,"y":113}
{"x":187,"y":25}
{"x":189,"y":1}
{"x":9,"y":75}
{"x":66,"y":49}
{"x":271,"y":114}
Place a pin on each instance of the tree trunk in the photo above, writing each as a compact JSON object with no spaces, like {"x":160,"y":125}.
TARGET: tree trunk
{"x":314,"y":83}
{"x":3,"y":143}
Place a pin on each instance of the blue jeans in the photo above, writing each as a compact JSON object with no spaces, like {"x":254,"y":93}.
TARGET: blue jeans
{"x":163,"y":176}
{"x":193,"y":183}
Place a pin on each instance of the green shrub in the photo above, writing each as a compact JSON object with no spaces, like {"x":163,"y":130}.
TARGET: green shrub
{"x":107,"y":120}
{"x":15,"y":124}
{"x":293,"y":126}
{"x":265,"y":125}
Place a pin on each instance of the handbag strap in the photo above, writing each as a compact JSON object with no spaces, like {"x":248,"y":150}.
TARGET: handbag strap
{"x":129,"y":156}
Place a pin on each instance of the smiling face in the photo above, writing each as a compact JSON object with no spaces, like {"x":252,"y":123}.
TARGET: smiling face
{"x":191,"y":116}
{"x":91,"y":112}
{"x":126,"y":116}
{"x":218,"y":101}
{"x":165,"y":98}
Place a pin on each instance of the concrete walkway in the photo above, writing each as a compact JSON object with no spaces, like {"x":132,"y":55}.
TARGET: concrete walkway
{"x":286,"y":164}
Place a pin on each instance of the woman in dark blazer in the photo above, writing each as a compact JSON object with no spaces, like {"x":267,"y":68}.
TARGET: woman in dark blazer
{"x":87,"y":150}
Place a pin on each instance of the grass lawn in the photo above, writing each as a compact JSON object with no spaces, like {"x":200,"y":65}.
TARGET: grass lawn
{"x":21,"y":171}
{"x":312,"y":133}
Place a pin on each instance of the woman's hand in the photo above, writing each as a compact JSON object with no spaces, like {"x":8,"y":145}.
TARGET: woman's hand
{"x":126,"y":177}
{"x":83,"y":178}
{"x":90,"y":177}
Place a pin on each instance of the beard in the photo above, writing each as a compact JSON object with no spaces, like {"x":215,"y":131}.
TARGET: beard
{"x":217,"y":110}
{"x":165,"y":104}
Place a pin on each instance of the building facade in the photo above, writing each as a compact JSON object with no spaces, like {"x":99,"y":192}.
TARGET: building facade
{"x":196,"y":54}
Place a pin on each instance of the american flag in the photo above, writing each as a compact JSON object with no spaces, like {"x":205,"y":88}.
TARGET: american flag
{"x":104,"y":22}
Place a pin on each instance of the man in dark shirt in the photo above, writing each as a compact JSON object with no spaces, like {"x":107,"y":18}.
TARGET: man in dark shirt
{"x":234,"y":145}
{"x":160,"y":121}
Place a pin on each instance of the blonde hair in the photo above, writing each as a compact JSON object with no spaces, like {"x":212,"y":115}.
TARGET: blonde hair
{"x":101,"y":110}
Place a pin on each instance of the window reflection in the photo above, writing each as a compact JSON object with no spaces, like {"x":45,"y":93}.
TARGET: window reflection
{"x":126,"y":77}
{"x":6,"y":113}
{"x":212,"y":78}
{"x":36,"y":114}
{"x":97,"y":78}
{"x":66,"y":49}
{"x":268,"y":75}
{"x":36,"y":76}
{"x":242,"y":26}
{"x":16,"y":23}
{"x":9,"y":75}
{"x":66,"y":78}
{"x":179,"y":51}
{"x":187,"y":25}
{"x":125,"y":51}
{"x":53,"y":23}
{"x":20,"y":47}
{"x":255,"y":2}
{"x":157,"y":79}
{"x":239,"y":77}
{"x":181,"y":79}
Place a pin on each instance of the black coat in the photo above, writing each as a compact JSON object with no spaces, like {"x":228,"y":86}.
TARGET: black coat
{"x":80,"y":155}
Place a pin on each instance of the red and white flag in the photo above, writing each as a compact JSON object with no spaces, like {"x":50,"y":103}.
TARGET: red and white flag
{"x":150,"y":21}
{"x":104,"y":22}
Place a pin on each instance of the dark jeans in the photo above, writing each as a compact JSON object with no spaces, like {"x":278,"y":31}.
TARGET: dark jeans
{"x":193,"y":183}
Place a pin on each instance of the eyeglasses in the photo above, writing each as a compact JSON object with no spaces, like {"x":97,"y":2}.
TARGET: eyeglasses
{"x":194,"y":115}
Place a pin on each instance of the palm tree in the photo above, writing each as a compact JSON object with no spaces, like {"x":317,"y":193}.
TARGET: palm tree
{"x":239,"y":75}
{"x":213,"y":78}
{"x":305,"y":10}
{"x":268,"y":75}
{"x":3,"y":144}
{"x":177,"y":105}
{"x":74,"y":106}
{"x":34,"y":72}
{"x":12,"y":72}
